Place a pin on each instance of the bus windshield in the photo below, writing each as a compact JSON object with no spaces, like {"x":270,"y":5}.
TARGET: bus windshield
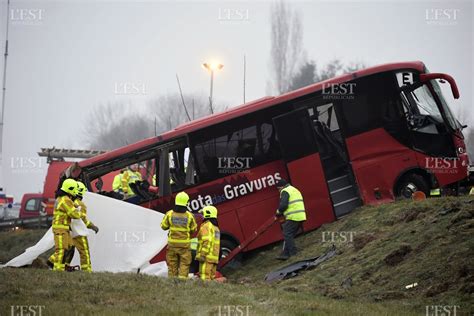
{"x":451,"y":120}
{"x":425,"y":103}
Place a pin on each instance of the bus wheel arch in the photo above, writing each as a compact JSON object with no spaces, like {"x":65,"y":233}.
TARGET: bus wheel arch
{"x":411,"y":180}
{"x":229,"y":243}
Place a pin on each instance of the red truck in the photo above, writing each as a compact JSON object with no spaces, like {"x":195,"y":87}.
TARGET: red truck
{"x":36,"y":204}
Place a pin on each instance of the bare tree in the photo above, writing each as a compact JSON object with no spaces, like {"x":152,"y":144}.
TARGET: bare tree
{"x":114,"y":125}
{"x":118,"y":124}
{"x":309,"y":72}
{"x":305,"y":76}
{"x":168,"y":111}
{"x":286,"y":45}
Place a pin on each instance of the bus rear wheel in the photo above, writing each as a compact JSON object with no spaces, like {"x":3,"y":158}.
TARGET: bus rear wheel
{"x":226,"y":248}
{"x":412,"y":183}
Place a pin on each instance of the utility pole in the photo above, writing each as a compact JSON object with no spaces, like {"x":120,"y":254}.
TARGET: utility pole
{"x":245,"y":67}
{"x":4,"y":90}
{"x":211,"y":67}
{"x":211,"y":109}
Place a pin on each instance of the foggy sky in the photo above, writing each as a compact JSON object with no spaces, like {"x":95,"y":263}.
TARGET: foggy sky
{"x":72,"y":58}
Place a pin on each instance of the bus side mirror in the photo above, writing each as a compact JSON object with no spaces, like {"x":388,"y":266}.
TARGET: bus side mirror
{"x":454,"y":87}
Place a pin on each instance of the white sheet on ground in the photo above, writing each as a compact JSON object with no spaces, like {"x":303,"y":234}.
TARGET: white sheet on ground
{"x":156,"y":269}
{"x":30,"y":254}
{"x":128,"y":238}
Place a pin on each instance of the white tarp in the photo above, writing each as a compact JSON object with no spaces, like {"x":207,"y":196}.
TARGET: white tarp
{"x":128,"y":238}
{"x":30,"y":254}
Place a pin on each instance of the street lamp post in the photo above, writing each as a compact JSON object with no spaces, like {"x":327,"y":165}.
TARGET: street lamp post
{"x":211,"y":67}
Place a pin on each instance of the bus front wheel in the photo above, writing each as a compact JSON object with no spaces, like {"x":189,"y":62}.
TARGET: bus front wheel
{"x":412,"y":183}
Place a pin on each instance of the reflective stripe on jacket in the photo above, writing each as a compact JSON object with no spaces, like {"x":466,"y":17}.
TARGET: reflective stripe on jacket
{"x":83,"y":206}
{"x":209,"y":238}
{"x":64,"y":210}
{"x":194,"y":244}
{"x":295,"y":211}
{"x":181,"y":226}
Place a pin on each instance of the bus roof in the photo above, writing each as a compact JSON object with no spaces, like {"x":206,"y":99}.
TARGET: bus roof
{"x":247,"y":108}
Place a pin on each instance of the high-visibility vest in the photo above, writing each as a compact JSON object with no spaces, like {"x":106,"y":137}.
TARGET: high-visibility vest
{"x":117,"y":184}
{"x":295,"y":211}
{"x":134,"y":176}
{"x":130,"y":176}
{"x":435,"y":192}
{"x":181,"y":226}
{"x":209,"y":238}
{"x":472,"y":191}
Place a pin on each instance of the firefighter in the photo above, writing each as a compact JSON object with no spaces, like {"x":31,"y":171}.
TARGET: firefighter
{"x":181,"y":225}
{"x":64,"y":211}
{"x":209,"y":244}
{"x":80,"y":242}
{"x":292,"y":208}
{"x":472,"y":191}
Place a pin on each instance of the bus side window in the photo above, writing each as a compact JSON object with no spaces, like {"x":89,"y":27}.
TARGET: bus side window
{"x":217,"y":148}
{"x":176,"y":170}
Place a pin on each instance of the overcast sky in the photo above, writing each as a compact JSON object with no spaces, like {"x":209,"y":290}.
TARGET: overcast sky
{"x":67,"y":57}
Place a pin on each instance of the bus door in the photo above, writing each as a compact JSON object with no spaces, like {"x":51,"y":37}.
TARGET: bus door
{"x":300,"y":152}
{"x":334,"y":158}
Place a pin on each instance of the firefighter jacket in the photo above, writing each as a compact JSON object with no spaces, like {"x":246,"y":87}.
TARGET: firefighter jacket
{"x":209,"y":242}
{"x":181,"y":226}
{"x":64,"y":210}
{"x":83,"y":208}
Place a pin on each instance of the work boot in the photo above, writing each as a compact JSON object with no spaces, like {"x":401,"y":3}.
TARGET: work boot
{"x":283,"y":256}
{"x":50,"y":264}
{"x":72,"y":268}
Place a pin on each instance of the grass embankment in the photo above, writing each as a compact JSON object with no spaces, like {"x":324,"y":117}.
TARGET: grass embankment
{"x":393,"y":245}
{"x":429,"y":242}
{"x":13,"y":243}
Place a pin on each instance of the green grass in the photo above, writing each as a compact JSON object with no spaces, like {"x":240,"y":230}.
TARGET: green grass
{"x":440,"y":256}
{"x":13,"y":243}
{"x":120,"y":294}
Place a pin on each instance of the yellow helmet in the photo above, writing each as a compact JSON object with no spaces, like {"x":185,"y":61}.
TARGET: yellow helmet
{"x":209,"y":211}
{"x":69,"y":186}
{"x":182,"y":199}
{"x":80,"y":189}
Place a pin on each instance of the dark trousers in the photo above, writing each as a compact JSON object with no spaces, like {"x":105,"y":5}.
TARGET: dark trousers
{"x":194,"y":267}
{"x":290,"y":229}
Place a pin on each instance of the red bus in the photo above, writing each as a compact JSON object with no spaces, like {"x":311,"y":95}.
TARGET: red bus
{"x":361,"y":138}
